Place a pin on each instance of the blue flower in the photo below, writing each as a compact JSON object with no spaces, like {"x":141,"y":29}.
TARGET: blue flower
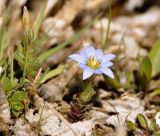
{"x":94,"y":61}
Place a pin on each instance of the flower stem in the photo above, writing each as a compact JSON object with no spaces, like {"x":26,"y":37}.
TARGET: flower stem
{"x":88,"y":91}
{"x":26,"y":56}
{"x":12,"y":65}
{"x":80,"y":103}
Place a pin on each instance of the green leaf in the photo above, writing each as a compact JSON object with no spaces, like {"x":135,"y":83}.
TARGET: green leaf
{"x":146,"y":68}
{"x":52,"y":73}
{"x":155,"y":93}
{"x":19,"y":55}
{"x":144,"y":74}
{"x":2,"y":42}
{"x":157,"y":133}
{"x":131,"y":125}
{"x":153,"y":125}
{"x":142,"y":121}
{"x":73,"y":38}
{"x":16,"y":102}
{"x":154,"y":56}
{"x":154,"y":96}
{"x":17,"y":108}
{"x":18,"y":96}
{"x":7,"y":84}
{"x":31,"y":63}
{"x":16,"y":113}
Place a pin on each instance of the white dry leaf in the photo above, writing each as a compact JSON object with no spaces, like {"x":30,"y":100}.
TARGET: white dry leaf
{"x":80,"y":128}
{"x":103,"y":24}
{"x":53,"y":123}
{"x":117,"y":38}
{"x":50,"y":125}
{"x":22,"y":128}
{"x":5,"y":114}
{"x":0,"y":67}
{"x":84,"y":127}
{"x":139,"y":32}
{"x":131,"y":47}
{"x":32,"y":118}
{"x":144,"y":20}
{"x":19,"y":3}
{"x":49,"y":121}
{"x":143,"y":52}
{"x":104,"y":94}
{"x":127,"y":107}
{"x":130,"y":5}
{"x":97,"y":115}
{"x":130,"y":44}
{"x":157,"y":118}
{"x":39,"y":102}
{"x":149,"y":18}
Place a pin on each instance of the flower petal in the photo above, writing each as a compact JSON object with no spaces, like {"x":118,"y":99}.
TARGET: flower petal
{"x":82,"y":65}
{"x":90,"y":50}
{"x":83,"y":54}
{"x":98,"y":71}
{"x":87,"y":73}
{"x":107,"y":72}
{"x":77,"y":58}
{"x":106,"y":64}
{"x":108,"y":57}
{"x":99,"y":54}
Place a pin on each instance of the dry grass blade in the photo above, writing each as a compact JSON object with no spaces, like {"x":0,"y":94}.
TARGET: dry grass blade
{"x":115,"y":111}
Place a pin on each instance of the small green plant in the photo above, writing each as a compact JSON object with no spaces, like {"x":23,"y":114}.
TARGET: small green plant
{"x":92,"y":61}
{"x":144,"y":74}
{"x":18,"y":102}
{"x":155,"y":58}
{"x":19,"y":74}
{"x":20,"y":68}
{"x":143,"y":126}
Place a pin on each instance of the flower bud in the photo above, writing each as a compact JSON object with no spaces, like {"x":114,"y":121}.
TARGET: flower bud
{"x":26,"y":20}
